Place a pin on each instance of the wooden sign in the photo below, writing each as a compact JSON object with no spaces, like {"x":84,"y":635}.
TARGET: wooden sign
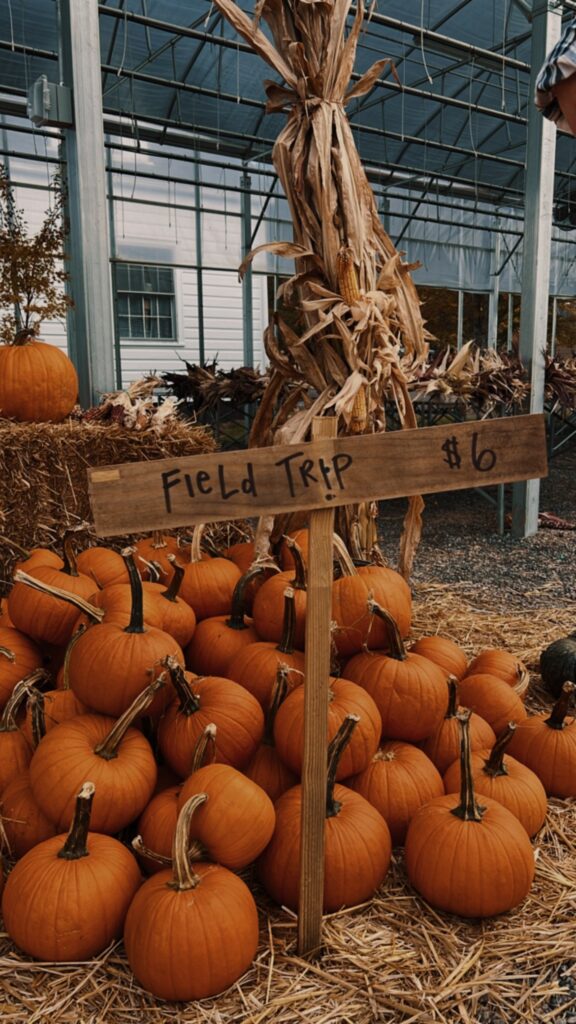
{"x":167,"y":493}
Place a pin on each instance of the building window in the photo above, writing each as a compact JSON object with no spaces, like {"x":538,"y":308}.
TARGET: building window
{"x":145,"y":302}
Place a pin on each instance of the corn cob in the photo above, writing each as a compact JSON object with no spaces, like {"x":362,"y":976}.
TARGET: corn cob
{"x":350,"y":292}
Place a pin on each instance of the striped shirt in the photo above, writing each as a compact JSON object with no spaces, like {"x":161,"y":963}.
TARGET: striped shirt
{"x":560,"y":64}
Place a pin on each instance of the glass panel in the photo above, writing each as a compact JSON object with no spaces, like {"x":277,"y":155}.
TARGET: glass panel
{"x":137,"y":326}
{"x":123,"y":304}
{"x":440,"y":311}
{"x":150,"y":279}
{"x":121,"y":276}
{"x":166,"y":330}
{"x":136,"y":278}
{"x":475,"y":318}
{"x":164,"y":307}
{"x":135,"y":303}
{"x":165,"y":280}
{"x":124,"y":326}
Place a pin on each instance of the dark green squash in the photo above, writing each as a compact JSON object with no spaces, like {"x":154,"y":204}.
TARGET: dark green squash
{"x":558,"y":664}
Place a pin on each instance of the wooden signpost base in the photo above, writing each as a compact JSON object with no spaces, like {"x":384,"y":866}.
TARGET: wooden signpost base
{"x":318,"y":475}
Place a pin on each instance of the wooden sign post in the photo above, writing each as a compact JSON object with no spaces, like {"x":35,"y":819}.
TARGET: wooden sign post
{"x":317,"y":475}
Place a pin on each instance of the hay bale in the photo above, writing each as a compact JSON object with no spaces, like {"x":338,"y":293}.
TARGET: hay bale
{"x":43,"y":471}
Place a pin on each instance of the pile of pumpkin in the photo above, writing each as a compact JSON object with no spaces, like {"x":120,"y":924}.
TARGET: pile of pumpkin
{"x":174,"y":719}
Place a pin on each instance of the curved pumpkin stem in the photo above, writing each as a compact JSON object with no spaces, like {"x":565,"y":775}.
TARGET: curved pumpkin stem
{"x":6,"y":653}
{"x":300,"y":581}
{"x":136,"y":624}
{"x":189,"y":701}
{"x":36,"y":704}
{"x":8,"y":722}
{"x":494,"y":765}
{"x":196,"y":545}
{"x":137,"y":845}
{"x":76,"y":845}
{"x":158,"y":541}
{"x":71,"y":645}
{"x":336,"y":748}
{"x":279,"y":691}
{"x":97,"y":614}
{"x":69,"y":554}
{"x":171,"y":592}
{"x":560,"y":709}
{"x":237,"y":618}
{"x":397,"y":649}
{"x":343,"y":555}
{"x":183,"y":875}
{"x":452,"y":709}
{"x":467,"y":809}
{"x":108,"y":748}
{"x":286,"y":645}
{"x":205,"y":741}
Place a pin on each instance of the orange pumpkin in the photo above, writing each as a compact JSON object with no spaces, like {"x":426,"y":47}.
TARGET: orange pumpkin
{"x":155,"y":549}
{"x":268,"y":606}
{"x":546,"y":743}
{"x":496,"y":662}
{"x":266,"y":768}
{"x":443,"y":745}
{"x":208,"y":584}
{"x":493,"y":699}
{"x":218,"y":640}
{"x":19,"y":656}
{"x":38,"y":382}
{"x":443,"y":652}
{"x":67,"y":898}
{"x":256,"y":665}
{"x":104,"y":565}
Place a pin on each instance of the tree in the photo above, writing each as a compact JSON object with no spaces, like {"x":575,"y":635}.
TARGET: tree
{"x":32,"y":273}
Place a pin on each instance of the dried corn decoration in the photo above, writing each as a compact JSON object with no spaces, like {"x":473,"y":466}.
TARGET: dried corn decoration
{"x":362,"y":330}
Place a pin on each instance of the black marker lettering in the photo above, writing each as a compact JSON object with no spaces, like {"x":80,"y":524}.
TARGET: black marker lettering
{"x":341,"y":463}
{"x":306,"y":472}
{"x":325,"y":470}
{"x":202,"y":479}
{"x":189,"y":486}
{"x":168,"y":482}
{"x":225,"y":494}
{"x":286,"y":463}
{"x":249,"y":483}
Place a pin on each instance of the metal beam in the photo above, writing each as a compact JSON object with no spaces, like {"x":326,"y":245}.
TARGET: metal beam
{"x":494,"y":290}
{"x":247,"y":310}
{"x":91,"y":321}
{"x":540,"y":150}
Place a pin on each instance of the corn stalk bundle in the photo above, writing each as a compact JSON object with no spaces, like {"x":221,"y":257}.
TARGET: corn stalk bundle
{"x":206,"y":386}
{"x":477,"y":377}
{"x":560,"y":382}
{"x":360,"y":309}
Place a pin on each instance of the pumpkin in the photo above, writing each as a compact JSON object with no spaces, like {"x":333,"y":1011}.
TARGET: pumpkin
{"x":15,"y":748}
{"x":357,"y":844}
{"x":242,"y":555}
{"x":60,"y":704}
{"x":190,"y":932}
{"x":111,"y":664}
{"x":218,"y":640}
{"x":268,"y":606}
{"x":155,"y":549}
{"x":506,"y":780}
{"x":199,"y":701}
{"x":546,"y":743}
{"x":38,"y":611}
{"x":506,"y":666}
{"x":344,"y":698}
{"x":266,"y":768}
{"x":104,"y":565}
{"x":67,"y":898}
{"x":236,"y":822}
{"x":208,"y":584}
{"x":443,"y":745}
{"x":467,"y":859}
{"x":443,"y":652}
{"x":38,"y":382}
{"x":558,"y":664}
{"x":493,"y":699}
{"x":19,"y":656}
{"x":398,"y":780}
{"x":157,"y":823}
{"x":300,"y":538}
{"x":256,"y":665}
{"x":5,"y":620}
{"x":118,"y":758}
{"x":355,"y":622}
{"x":409,"y":690}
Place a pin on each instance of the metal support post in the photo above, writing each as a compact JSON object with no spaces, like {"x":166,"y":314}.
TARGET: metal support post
{"x":540,"y":149}
{"x":554,"y":327}
{"x":510,"y":327}
{"x":199,"y":267}
{"x":113,"y":257}
{"x":460,"y":327}
{"x":91,"y":321}
{"x":494,"y":292}
{"x":247,"y":317}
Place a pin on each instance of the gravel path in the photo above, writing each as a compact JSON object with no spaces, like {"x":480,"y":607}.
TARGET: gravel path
{"x":460,"y":544}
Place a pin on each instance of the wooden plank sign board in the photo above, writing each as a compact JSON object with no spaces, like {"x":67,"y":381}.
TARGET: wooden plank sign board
{"x":167,"y":493}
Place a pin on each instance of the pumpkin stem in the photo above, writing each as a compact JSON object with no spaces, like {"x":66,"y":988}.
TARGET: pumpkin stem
{"x":237,"y":618}
{"x":158,"y":540}
{"x":467,"y":809}
{"x":452,"y":710}
{"x":279,"y":691}
{"x":171,"y":592}
{"x":36,"y":704}
{"x":560,"y":709}
{"x":343,"y":555}
{"x":397,"y":649}
{"x":137,"y":845}
{"x":69,"y":554}
{"x":183,"y":875}
{"x":136,"y":624}
{"x":97,"y":614}
{"x":286,"y":645}
{"x":155,"y":572}
{"x":71,"y":645}
{"x":207,"y":739}
{"x":76,"y":845}
{"x":108,"y":747}
{"x":189,"y":701}
{"x":196,"y":545}
{"x":6,"y":653}
{"x":299,"y":581}
{"x":8,"y":721}
{"x":336,"y":748}
{"x":494,"y":765}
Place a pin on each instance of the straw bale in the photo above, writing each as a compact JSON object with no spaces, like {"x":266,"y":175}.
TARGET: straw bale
{"x":43,"y":479}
